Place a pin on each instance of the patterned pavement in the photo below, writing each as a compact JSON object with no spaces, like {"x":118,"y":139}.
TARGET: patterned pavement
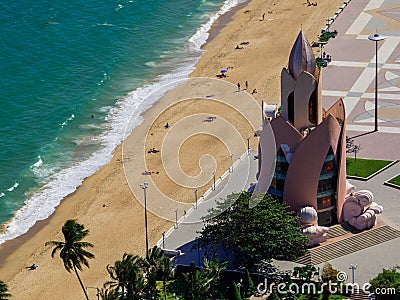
{"x":351,"y":74}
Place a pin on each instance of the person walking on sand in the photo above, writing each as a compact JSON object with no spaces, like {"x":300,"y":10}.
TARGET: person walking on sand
{"x":263,"y":17}
{"x":238,"y":85}
{"x":247,"y":85}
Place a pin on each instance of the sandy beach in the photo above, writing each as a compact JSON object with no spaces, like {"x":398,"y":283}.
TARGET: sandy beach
{"x":105,"y":203}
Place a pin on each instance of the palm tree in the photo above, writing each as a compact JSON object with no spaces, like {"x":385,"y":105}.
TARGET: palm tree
{"x":127,"y":275}
{"x":72,"y":250}
{"x":4,"y":295}
{"x":166,"y":270}
{"x":107,"y":294}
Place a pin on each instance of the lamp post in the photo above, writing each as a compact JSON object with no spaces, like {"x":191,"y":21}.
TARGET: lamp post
{"x":248,"y":145}
{"x":231,"y":168}
{"x":376,"y":38}
{"x":144,"y":186}
{"x":352,"y":268}
{"x":214,"y":180}
{"x":163,"y":239}
{"x":176,"y":218}
{"x":195,"y":197}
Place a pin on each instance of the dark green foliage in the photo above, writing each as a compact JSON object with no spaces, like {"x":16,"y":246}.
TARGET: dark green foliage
{"x":388,"y":278}
{"x":265,"y":231}
{"x":201,"y":284}
{"x":326,"y":35}
{"x":235,"y":292}
{"x":72,"y":249}
{"x":274,"y":296}
{"x":136,"y":277}
{"x":305,"y":273}
{"x":4,"y":294}
{"x":248,"y":284}
{"x":109,"y":294}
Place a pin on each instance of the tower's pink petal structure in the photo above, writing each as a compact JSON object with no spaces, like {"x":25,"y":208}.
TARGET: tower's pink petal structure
{"x":309,"y":168}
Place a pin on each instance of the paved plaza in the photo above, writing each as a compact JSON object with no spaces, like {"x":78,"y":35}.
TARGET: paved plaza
{"x":351,"y":74}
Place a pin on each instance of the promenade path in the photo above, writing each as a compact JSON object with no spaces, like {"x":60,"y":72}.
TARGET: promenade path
{"x":182,"y":236}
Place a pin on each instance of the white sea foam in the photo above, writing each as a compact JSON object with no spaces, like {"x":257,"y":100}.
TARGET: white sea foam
{"x":10,"y":189}
{"x":43,"y":203}
{"x":2,"y":195}
{"x":38,"y":163}
{"x":67,"y":120}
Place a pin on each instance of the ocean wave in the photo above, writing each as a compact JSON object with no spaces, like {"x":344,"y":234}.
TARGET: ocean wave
{"x":67,"y":120}
{"x":43,"y":202}
{"x":201,"y":35}
{"x":2,"y":195}
{"x":38,"y":163}
{"x":10,"y":189}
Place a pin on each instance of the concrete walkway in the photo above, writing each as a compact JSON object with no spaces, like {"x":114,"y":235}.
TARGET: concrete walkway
{"x":182,"y":236}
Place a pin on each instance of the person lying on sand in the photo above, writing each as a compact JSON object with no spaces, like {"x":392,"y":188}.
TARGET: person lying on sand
{"x":32,"y":267}
{"x":153,"y":151}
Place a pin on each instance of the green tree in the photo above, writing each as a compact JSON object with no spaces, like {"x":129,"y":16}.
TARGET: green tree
{"x":72,"y":249}
{"x":166,"y":270}
{"x":328,"y":275}
{"x":248,"y":284}
{"x":251,"y":234}
{"x":154,"y":260}
{"x":109,"y":294}
{"x":235,"y":292}
{"x":388,"y":278}
{"x":128,"y":276}
{"x":4,"y":294}
{"x":200,"y":284}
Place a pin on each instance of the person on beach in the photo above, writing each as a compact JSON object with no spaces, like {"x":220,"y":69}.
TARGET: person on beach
{"x":254,"y":92}
{"x":247,"y":85}
{"x":263,"y":17}
{"x":238,"y":86}
{"x":166,"y":126}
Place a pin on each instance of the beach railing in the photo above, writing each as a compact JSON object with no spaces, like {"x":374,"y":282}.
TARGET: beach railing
{"x":207,"y":193}
{"x":337,"y":13}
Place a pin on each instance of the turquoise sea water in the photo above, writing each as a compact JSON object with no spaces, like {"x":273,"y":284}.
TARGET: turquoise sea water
{"x":72,"y":74}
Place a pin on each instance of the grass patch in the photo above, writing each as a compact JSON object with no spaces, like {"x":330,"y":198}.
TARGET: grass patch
{"x":364,"y":167}
{"x":395,"y":180}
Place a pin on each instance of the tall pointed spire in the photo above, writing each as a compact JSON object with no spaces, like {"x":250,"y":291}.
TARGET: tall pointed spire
{"x":301,"y":57}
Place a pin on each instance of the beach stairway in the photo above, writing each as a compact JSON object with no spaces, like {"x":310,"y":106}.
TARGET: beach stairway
{"x":348,"y":245}
{"x":359,"y":295}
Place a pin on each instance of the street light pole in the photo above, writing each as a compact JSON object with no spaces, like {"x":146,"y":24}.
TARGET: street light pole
{"x":231,"y":168}
{"x":376,"y":38}
{"x":195,"y":197}
{"x":144,"y":186}
{"x":353,"y":268}
{"x":214,"y":180}
{"x":163,"y":239}
{"x":248,"y":145}
{"x":176,"y":218}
